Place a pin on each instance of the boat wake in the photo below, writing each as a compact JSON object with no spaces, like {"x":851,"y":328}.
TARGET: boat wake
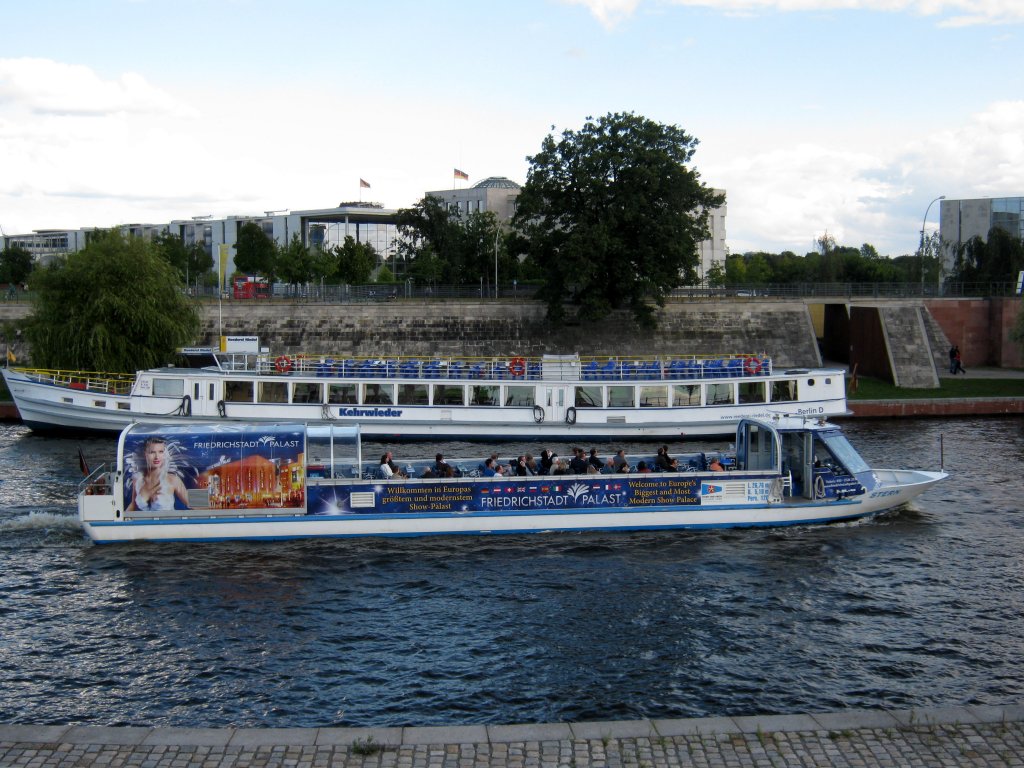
{"x":40,"y":522}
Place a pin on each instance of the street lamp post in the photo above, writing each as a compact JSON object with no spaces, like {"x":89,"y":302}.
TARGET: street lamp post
{"x":920,"y":251}
{"x":495,"y":263}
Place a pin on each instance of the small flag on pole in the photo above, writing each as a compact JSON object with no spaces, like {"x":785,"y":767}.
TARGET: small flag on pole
{"x":82,"y":463}
{"x":364,"y":184}
{"x":10,"y":356}
{"x":461,"y":175}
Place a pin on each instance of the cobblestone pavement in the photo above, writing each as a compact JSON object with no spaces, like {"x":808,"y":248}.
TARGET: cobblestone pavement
{"x":953,"y":736}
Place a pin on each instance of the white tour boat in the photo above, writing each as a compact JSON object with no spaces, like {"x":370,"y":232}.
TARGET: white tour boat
{"x":496,"y":398}
{"x":224,"y":480}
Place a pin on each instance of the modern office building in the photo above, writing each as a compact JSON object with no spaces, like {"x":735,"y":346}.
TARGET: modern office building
{"x":962,"y":220}
{"x":368,"y":223}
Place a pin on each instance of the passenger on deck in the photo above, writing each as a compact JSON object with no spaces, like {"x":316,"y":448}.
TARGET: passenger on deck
{"x":490,"y":470}
{"x":531,"y":465}
{"x":559,"y":467}
{"x":578,"y":464}
{"x":440,"y":467}
{"x":546,"y":460}
{"x":665,"y":463}
{"x":642,"y":467}
{"x":715,"y":465}
{"x":620,"y":460}
{"x":595,"y":460}
{"x":384,"y":471}
{"x":394,"y":467}
{"x":609,"y":467}
{"x":521,"y":470}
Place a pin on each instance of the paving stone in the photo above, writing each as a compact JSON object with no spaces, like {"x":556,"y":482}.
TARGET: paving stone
{"x":91,"y":734}
{"x":446,"y":734}
{"x":539,"y":732}
{"x":614,"y":729}
{"x":40,"y":734}
{"x":269,"y":737}
{"x":206,"y":737}
{"x":770,"y":723}
{"x":855,"y":719}
{"x":348,"y":736}
{"x":703,"y":726}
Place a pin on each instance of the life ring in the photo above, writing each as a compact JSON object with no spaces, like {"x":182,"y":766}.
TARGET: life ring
{"x":570,"y":415}
{"x":819,"y":487}
{"x":517,"y":366}
{"x":538,"y":414}
{"x":283,"y":364}
{"x":752,"y":366}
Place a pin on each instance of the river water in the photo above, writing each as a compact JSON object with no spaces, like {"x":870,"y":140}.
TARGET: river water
{"x":920,"y":607}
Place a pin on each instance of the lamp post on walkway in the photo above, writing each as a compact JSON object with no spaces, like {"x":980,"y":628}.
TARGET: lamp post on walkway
{"x":920,"y":251}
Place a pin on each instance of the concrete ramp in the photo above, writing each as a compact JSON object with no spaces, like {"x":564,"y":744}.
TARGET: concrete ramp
{"x":910,"y":352}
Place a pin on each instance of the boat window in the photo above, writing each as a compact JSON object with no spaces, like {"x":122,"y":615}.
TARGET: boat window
{"x":653,"y":397}
{"x":485,"y":394}
{"x":751,"y":391}
{"x":620,"y":397}
{"x":412,"y":394}
{"x":839,"y":450}
{"x":519,"y":396}
{"x":238,"y":391}
{"x":168,"y":387}
{"x":378,"y":394}
{"x":684,"y":395}
{"x":272,"y":392}
{"x":342,"y":394}
{"x":588,"y":397}
{"x":784,"y":391}
{"x":449,"y":394}
{"x":307,"y":392}
{"x":720,"y":394}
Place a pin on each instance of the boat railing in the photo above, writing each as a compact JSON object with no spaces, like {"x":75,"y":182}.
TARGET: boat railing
{"x":89,"y":381}
{"x":588,"y":368}
{"x":98,"y":483}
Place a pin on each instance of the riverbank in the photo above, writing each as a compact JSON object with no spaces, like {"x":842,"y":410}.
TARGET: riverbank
{"x":959,"y":735}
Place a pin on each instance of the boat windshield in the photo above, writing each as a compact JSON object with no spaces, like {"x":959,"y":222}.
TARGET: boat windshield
{"x":845,"y":453}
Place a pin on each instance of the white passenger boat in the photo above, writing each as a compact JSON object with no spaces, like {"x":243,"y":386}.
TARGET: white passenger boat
{"x":222,"y":480}
{"x":550,"y":397}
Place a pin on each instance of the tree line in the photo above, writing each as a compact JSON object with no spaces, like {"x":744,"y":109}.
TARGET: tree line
{"x":611,"y":217}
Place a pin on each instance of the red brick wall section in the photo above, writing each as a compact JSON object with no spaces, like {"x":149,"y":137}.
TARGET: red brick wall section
{"x":981,"y":327}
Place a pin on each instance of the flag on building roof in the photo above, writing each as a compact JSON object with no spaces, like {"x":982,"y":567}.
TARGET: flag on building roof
{"x":364,"y":184}
{"x":461,"y":175}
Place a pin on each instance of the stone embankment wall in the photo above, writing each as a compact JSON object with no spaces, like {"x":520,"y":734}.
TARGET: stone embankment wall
{"x":413,"y":328}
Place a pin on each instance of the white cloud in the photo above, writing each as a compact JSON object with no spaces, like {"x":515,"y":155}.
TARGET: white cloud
{"x":608,"y":12}
{"x":950,"y":13}
{"x":875,"y":193}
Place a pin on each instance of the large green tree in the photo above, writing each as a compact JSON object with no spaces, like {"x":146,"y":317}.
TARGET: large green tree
{"x":613,"y":215}
{"x":190,"y":260}
{"x":998,"y":259}
{"x":15,"y":264}
{"x":354,"y":262}
{"x":116,"y":306}
{"x":255,"y":253}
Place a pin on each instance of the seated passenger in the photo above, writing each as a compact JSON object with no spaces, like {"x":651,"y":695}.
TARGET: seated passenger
{"x":546,"y":460}
{"x":440,"y":468}
{"x":642,"y":467}
{"x":665,"y":463}
{"x":715,"y":465}
{"x":560,"y":467}
{"x":490,"y":469}
{"x":531,"y":465}
{"x":384,"y":471}
{"x":578,"y":463}
{"x":595,"y":460}
{"x":620,"y":460}
{"x":609,"y":467}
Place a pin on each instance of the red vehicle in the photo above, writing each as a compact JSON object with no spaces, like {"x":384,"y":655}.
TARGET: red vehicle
{"x":251,"y":287}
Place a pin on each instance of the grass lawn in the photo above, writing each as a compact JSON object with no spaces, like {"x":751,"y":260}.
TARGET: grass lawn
{"x":965,"y":387}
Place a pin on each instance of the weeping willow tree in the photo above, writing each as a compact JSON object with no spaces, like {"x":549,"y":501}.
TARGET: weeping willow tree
{"x":115,"y":306}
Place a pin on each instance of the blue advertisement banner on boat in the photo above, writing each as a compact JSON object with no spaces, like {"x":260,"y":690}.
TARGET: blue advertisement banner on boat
{"x":169,"y":468}
{"x":510,"y":495}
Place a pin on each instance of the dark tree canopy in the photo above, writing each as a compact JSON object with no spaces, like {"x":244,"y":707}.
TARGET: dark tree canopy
{"x":996,"y":260}
{"x":255,"y":253}
{"x":353,"y":262}
{"x":613,"y":216}
{"x":440,"y":245}
{"x":115,"y":306}
{"x":15,"y":264}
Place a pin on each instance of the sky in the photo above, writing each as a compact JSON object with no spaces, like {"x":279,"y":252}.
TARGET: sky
{"x":846,"y":117}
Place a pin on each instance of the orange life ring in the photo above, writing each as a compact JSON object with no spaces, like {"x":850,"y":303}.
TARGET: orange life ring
{"x":752,"y":366}
{"x":283,"y":364}
{"x":517,"y":366}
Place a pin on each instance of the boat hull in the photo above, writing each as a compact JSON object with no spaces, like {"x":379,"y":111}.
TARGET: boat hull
{"x":44,"y":406}
{"x":698,"y":503}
